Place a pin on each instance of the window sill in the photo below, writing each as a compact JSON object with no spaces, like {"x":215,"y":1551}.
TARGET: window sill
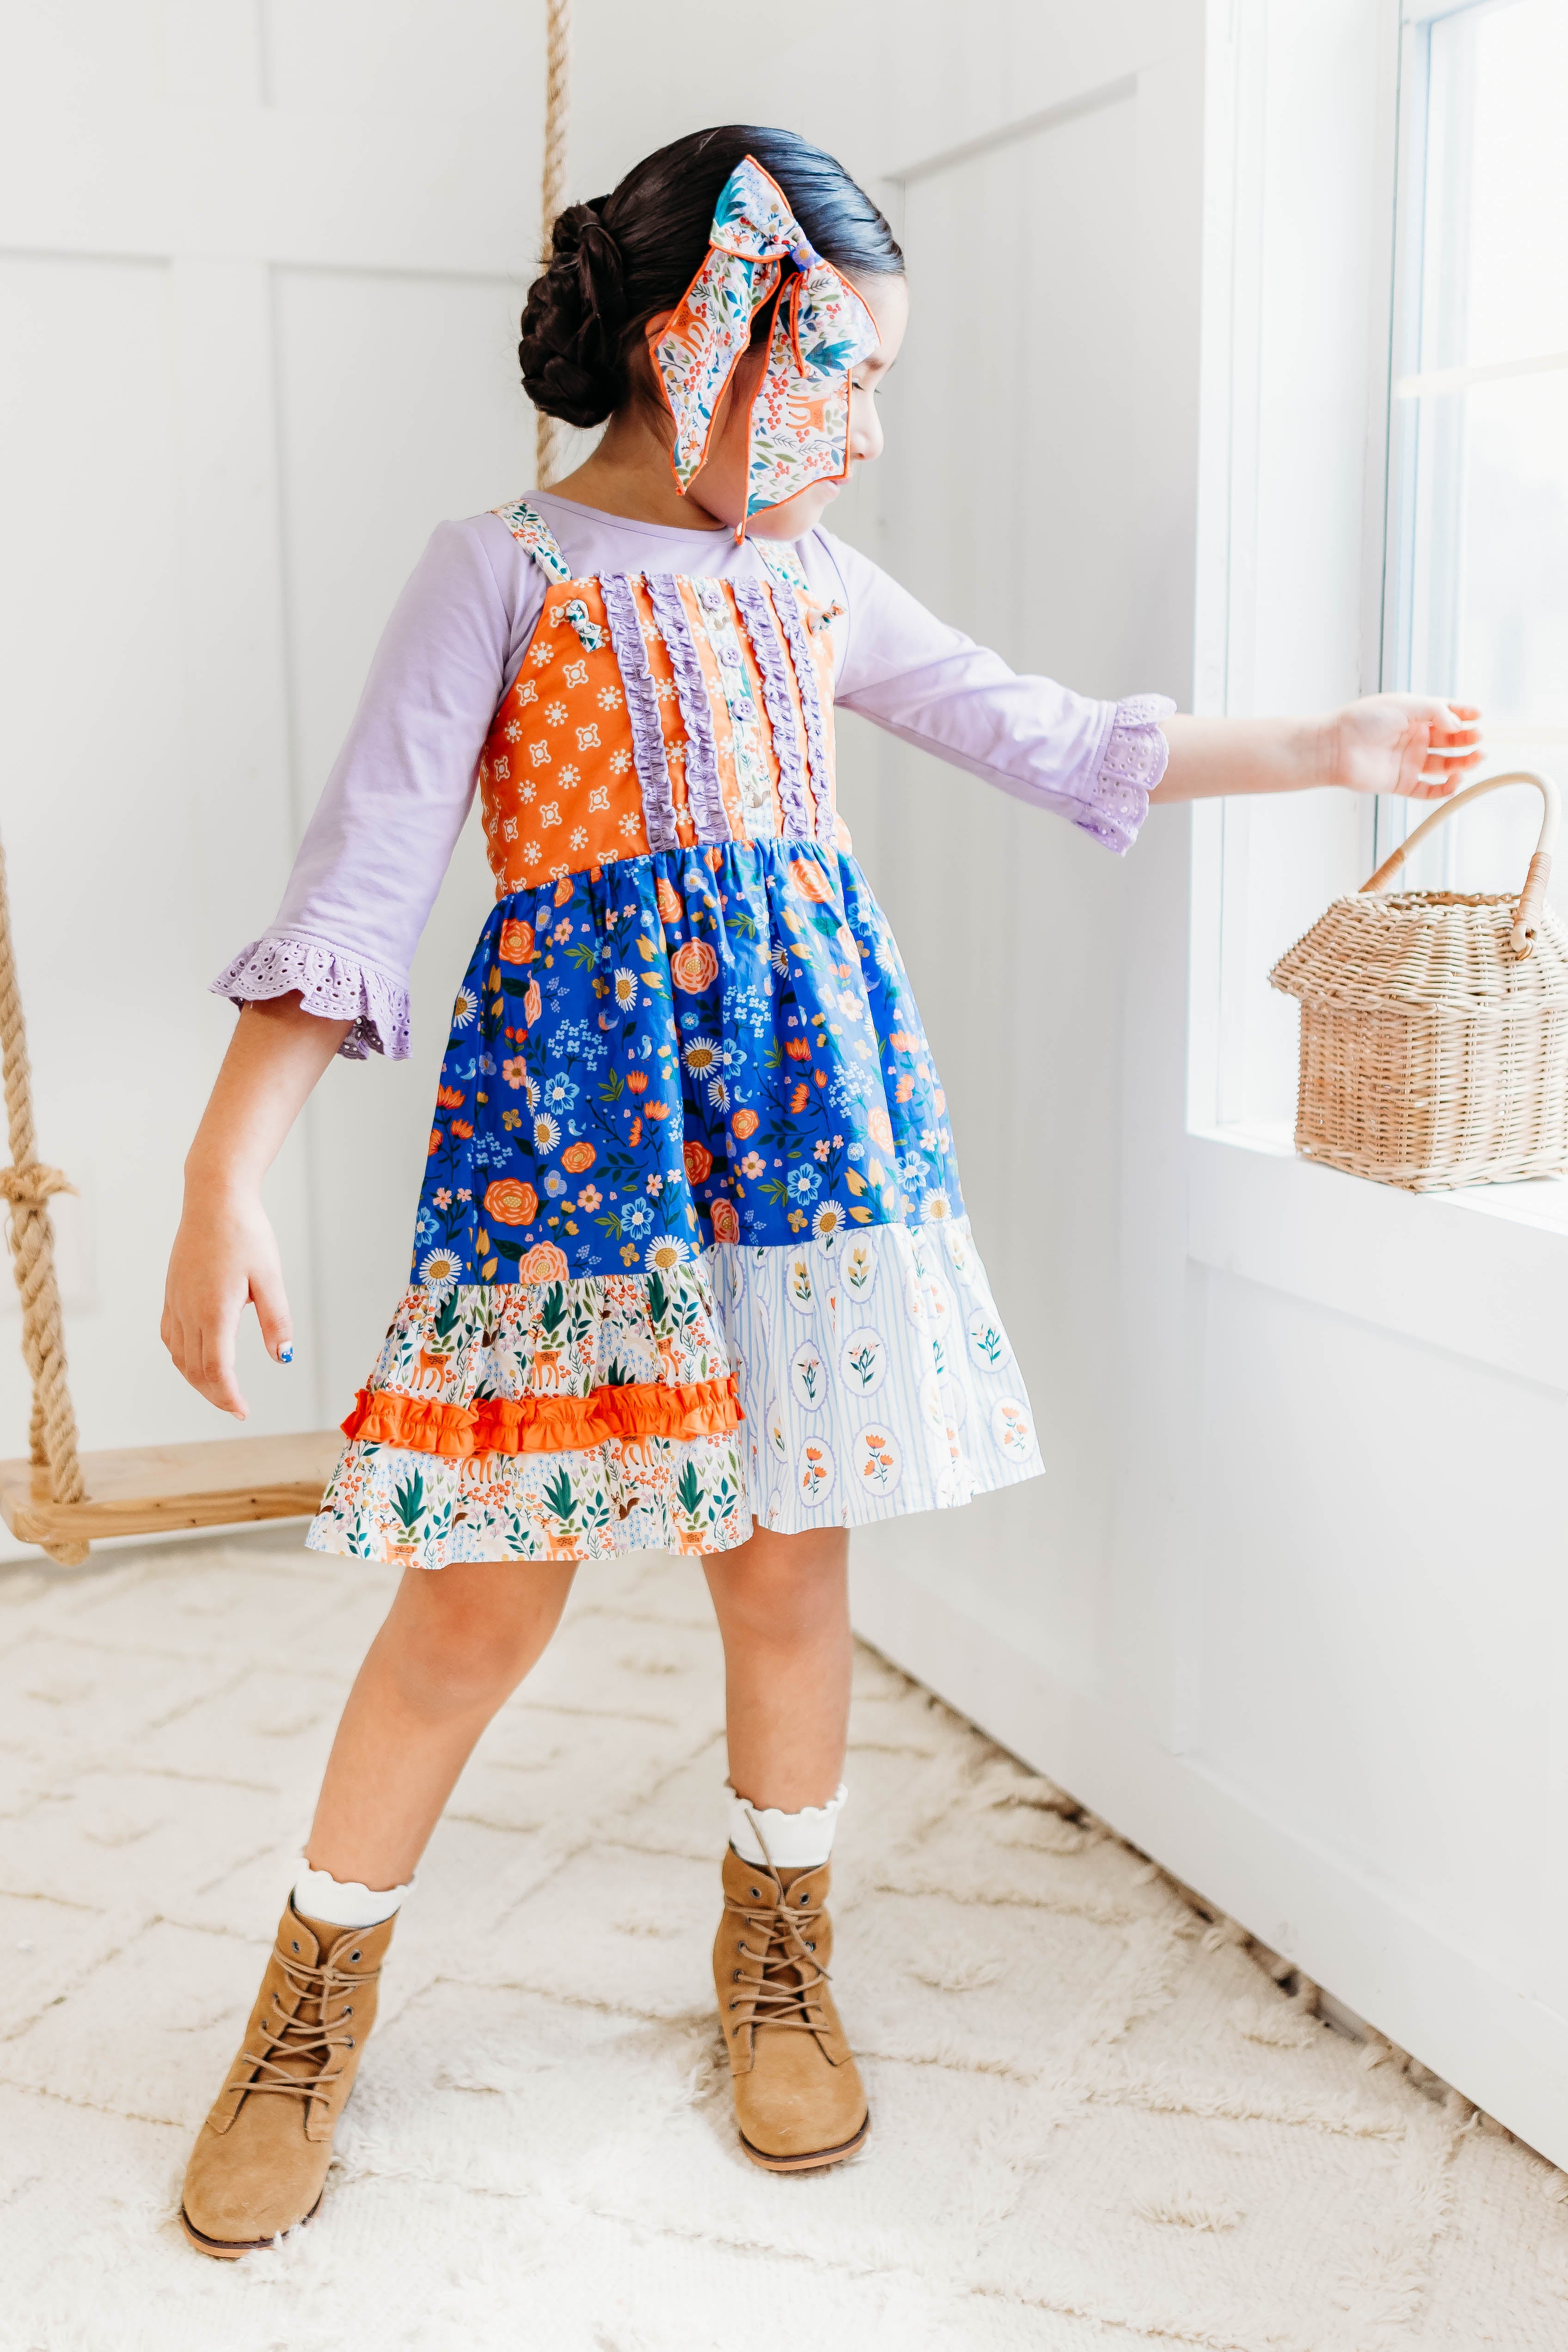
{"x":1482,"y":1273}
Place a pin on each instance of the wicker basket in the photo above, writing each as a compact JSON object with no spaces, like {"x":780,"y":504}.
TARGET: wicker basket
{"x":1435,"y":1026}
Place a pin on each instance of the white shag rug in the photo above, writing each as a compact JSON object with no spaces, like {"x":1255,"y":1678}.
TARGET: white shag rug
{"x":1096,"y":2120}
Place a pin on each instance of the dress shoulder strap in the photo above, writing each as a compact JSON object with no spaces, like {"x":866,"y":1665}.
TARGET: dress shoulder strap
{"x":782,"y":564}
{"x":528,"y":525}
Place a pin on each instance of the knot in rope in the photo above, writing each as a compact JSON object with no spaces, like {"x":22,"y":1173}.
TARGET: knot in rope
{"x":32,"y":1186}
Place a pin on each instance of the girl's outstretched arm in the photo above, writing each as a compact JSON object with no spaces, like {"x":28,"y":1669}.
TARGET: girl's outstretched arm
{"x":1408,"y":743}
{"x":225,"y":1251}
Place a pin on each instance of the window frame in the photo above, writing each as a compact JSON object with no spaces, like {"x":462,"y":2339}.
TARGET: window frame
{"x":1492,"y":1256}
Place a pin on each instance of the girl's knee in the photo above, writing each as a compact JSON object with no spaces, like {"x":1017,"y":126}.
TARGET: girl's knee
{"x":783,"y":1587}
{"x":466,"y":1641}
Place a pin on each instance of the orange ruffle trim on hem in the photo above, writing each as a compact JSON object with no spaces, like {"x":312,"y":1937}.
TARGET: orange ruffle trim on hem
{"x":537,"y":1424}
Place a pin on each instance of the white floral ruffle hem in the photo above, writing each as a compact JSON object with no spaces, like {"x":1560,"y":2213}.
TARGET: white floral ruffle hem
{"x":872,"y":1371}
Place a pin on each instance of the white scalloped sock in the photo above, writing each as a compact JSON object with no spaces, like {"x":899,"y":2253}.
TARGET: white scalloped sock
{"x":788,"y":1841}
{"x":344,"y":1903}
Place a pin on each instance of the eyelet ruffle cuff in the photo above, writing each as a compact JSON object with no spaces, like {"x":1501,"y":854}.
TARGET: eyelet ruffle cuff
{"x":1130,"y":765}
{"x":330,"y":984}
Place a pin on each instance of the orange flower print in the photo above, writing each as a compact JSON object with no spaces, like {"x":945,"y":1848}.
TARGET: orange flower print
{"x":699,"y":1161}
{"x":726,"y":1223}
{"x":745,"y":1123}
{"x":694,"y":967}
{"x":815,"y":1472}
{"x":578,"y":1157}
{"x":810,"y":881}
{"x":799,"y":1049}
{"x":563,"y":892}
{"x":634,"y":1138}
{"x":879,"y":1128}
{"x":668,"y":900}
{"x":463,"y":1127}
{"x":801,"y":1097}
{"x":636,"y":1080}
{"x":509,"y":1201}
{"x":658,"y":1110}
{"x":434,"y":1143}
{"x":903,"y":1090}
{"x":516,"y":942}
{"x":449,"y":1097}
{"x":532,"y":1003}
{"x":544,"y":1263}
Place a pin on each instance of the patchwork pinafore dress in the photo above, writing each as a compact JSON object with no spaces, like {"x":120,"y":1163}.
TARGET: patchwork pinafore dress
{"x":691,"y":1249}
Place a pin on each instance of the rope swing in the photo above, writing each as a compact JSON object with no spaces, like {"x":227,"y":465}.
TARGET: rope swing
{"x":550,"y":433}
{"x":53,"y":1498}
{"x":27,"y":1186}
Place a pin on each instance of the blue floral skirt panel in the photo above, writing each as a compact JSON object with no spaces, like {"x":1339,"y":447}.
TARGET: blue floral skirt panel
{"x":696,"y":1046}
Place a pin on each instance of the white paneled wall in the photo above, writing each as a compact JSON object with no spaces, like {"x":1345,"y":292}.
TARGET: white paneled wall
{"x":259,"y":267}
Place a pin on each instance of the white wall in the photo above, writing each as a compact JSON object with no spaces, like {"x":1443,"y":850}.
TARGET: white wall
{"x":1288,"y":1608}
{"x":1265,"y":1611}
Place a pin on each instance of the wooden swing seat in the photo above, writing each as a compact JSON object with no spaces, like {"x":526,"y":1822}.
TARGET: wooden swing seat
{"x":147,"y":1490}
{"x":150,"y":1490}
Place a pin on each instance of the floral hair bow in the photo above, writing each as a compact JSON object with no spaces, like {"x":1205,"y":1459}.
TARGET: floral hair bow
{"x":798,"y":431}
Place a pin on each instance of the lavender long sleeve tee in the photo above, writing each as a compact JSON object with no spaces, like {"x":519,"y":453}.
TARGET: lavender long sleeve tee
{"x":375,"y":853}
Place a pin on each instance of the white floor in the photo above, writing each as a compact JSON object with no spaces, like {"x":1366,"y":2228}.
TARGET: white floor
{"x":1095,"y":2120}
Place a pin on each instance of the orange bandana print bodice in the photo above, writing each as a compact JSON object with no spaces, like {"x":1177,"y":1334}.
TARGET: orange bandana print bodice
{"x":658,"y":713}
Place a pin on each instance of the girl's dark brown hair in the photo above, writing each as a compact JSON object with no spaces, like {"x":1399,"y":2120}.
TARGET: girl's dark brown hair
{"x":616,"y":262}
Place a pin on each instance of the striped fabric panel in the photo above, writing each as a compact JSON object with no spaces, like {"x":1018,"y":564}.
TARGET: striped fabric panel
{"x":642,"y":710}
{"x":704,"y":794}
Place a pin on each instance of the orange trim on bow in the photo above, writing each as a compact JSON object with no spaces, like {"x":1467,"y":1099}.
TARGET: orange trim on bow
{"x":539,"y":1424}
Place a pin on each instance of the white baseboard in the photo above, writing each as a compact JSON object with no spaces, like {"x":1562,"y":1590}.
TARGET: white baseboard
{"x":1503,"y":2049}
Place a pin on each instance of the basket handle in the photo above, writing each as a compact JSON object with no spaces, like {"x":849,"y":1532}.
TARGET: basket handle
{"x":1527,"y":914}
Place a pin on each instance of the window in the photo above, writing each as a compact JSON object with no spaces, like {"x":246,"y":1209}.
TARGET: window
{"x":1476,"y":578}
{"x":1383,"y":478}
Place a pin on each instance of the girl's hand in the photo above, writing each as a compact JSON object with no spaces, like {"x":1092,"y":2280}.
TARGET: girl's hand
{"x":224,"y":1253}
{"x":1406,"y":744}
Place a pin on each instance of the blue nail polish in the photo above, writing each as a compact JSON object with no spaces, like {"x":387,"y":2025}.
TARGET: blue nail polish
{"x":286,"y":1353}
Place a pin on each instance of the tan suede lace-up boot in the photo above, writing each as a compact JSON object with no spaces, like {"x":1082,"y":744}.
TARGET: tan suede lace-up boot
{"x":260,"y":2160}
{"x":798,"y":2096}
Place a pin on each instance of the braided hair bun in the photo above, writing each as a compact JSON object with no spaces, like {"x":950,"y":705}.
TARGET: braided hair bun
{"x":574,"y":326}
{"x":618,"y":262}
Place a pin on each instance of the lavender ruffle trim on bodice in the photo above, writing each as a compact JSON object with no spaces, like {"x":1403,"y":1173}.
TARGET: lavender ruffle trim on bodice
{"x":704,"y":794}
{"x":642,"y":710}
{"x":1130,"y":765}
{"x":330,"y":984}
{"x":805,"y":668}
{"x":752,"y":599}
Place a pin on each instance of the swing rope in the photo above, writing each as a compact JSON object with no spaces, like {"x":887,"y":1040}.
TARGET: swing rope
{"x":27,"y":1186}
{"x":551,"y":443}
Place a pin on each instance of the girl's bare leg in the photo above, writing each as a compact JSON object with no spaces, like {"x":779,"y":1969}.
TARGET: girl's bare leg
{"x":456,"y":1643}
{"x":783,"y":1604}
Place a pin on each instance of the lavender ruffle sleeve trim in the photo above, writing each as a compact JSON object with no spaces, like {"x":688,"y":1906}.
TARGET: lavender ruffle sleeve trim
{"x":336,"y":986}
{"x":1130,"y":766}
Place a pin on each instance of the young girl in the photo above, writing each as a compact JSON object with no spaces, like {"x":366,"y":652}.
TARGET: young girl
{"x":691,"y":1267}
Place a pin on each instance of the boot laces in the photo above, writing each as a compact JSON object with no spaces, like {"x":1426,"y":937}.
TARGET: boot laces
{"x":308,"y":2032}
{"x":784,"y":1989}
